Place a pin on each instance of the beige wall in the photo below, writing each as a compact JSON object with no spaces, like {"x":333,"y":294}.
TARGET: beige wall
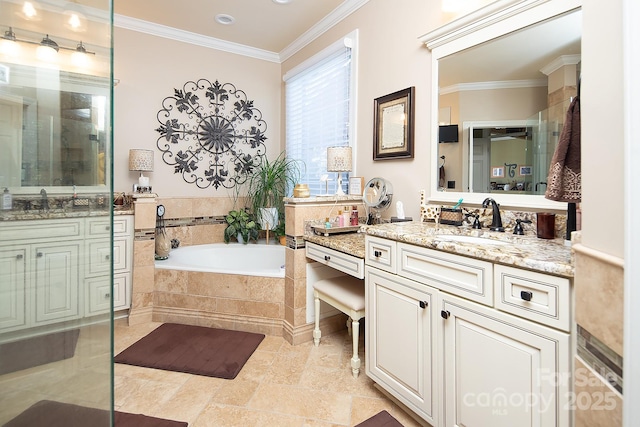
{"x":602,"y":131}
{"x":391,"y":58}
{"x":149,"y":68}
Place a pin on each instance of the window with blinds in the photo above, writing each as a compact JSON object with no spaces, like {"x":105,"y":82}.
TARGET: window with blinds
{"x":319,"y":111}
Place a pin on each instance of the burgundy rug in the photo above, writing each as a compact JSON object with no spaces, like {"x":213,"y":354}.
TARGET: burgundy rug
{"x":193,"y":349}
{"x":57,"y":414}
{"x":35,"y":351}
{"x":381,"y":419}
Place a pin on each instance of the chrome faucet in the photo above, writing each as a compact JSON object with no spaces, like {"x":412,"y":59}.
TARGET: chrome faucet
{"x":496,"y":222}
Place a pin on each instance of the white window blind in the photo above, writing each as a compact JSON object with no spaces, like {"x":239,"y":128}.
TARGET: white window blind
{"x":318,"y":106}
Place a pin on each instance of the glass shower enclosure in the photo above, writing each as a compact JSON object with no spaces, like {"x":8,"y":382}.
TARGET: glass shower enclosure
{"x":56,"y":216}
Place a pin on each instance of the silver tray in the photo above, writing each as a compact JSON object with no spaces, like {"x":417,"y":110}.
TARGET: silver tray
{"x":323,"y":231}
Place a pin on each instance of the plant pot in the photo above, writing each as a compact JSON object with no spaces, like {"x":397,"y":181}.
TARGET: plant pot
{"x":283,"y":240}
{"x":268,"y":218}
{"x":240,"y":239}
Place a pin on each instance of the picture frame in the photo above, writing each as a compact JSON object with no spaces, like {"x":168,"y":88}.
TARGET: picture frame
{"x":356,"y":185}
{"x":393,"y":125}
{"x":497,"y":171}
{"x":524,"y":170}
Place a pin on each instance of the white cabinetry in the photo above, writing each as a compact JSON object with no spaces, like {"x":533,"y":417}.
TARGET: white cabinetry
{"x":463,"y":360}
{"x":335,"y":259}
{"x":50,"y":269}
{"x":100,"y":291}
{"x":401,"y":339}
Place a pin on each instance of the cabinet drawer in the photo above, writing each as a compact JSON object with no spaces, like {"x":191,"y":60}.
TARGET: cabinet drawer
{"x":535,"y":296}
{"x":13,"y":231}
{"x":100,"y":256}
{"x":100,"y":293}
{"x":101,"y":226}
{"x":381,"y":253}
{"x":466,"y":277}
{"x":349,"y":264}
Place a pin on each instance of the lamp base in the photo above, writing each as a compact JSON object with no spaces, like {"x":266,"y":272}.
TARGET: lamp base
{"x":339,"y":190}
{"x":137,"y":188}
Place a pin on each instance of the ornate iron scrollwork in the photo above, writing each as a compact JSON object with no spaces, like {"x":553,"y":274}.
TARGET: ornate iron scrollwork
{"x":216,"y":142}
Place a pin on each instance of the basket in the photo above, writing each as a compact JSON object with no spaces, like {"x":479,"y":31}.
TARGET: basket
{"x":451,"y":216}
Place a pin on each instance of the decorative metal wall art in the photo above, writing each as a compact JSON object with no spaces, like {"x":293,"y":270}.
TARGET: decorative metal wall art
{"x":216,"y":141}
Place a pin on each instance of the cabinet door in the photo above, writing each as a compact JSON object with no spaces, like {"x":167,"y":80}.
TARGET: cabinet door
{"x":400,"y":339}
{"x":57,"y":281}
{"x":501,"y":371}
{"x":13,"y":288}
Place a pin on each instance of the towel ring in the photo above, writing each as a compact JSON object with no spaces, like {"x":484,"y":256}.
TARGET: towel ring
{"x":443,"y":160}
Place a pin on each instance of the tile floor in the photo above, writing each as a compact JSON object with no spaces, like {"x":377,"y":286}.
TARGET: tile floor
{"x":280,"y":386}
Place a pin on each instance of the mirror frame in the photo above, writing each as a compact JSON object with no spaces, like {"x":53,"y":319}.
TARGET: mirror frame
{"x":494,"y":20}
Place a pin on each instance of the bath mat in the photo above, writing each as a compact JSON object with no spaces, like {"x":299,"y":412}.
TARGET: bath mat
{"x":36,"y":351}
{"x":381,"y":419}
{"x":56,"y":414}
{"x":195,"y":350}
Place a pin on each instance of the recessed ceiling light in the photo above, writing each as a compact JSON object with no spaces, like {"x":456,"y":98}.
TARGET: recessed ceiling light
{"x":282,"y":1}
{"x":225,"y":19}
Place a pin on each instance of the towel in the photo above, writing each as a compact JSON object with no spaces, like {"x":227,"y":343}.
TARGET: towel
{"x":441,"y":177}
{"x":564,"y":182}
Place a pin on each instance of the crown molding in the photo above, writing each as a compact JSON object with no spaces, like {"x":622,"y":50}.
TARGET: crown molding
{"x":326,"y":23}
{"x":505,"y":84}
{"x":559,"y":62}
{"x":158,"y":30}
{"x":164,"y":31}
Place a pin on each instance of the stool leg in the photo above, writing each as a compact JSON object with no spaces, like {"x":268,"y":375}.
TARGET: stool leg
{"x":355,"y":360}
{"x":349,"y":321}
{"x":316,"y":332}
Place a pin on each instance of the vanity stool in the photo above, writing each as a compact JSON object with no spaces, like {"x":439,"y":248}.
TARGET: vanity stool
{"x":346,"y":293}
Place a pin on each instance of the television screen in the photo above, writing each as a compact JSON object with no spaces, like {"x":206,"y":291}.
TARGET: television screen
{"x":448,"y":133}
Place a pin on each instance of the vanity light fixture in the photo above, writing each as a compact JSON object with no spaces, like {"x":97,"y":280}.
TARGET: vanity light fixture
{"x":46,"y":50}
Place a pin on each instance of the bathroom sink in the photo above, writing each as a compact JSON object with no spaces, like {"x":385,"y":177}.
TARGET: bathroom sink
{"x":471,"y":239}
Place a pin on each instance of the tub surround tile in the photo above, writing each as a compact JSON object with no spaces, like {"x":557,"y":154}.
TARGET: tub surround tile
{"x":600,"y":296}
{"x":144,"y":213}
{"x":604,"y":404}
{"x":143,"y":253}
{"x":174,"y":281}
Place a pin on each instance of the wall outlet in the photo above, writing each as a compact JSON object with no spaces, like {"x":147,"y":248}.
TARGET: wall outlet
{"x":451,"y":184}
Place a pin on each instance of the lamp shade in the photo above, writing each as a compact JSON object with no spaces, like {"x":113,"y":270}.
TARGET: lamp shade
{"x":339,"y":159}
{"x":141,"y":160}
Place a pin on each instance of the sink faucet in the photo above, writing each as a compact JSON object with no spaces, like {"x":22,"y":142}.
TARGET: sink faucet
{"x":496,"y":223}
{"x":45,"y":200}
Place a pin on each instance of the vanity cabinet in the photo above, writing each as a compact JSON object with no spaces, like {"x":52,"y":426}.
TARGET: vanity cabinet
{"x":100,"y":291}
{"x":401,"y":339}
{"x":56,"y":270}
{"x":439,"y":343}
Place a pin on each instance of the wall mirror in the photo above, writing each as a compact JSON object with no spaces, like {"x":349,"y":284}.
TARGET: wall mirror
{"x":505,"y":75}
{"x":55,"y":130}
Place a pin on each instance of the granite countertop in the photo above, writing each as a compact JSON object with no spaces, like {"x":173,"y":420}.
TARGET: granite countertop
{"x":546,"y":256}
{"x":349,"y":243}
{"x":36,"y":214}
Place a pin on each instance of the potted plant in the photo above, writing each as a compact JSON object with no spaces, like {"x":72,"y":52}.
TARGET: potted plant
{"x":268,"y":184}
{"x":279,"y":232}
{"x":240,"y":226}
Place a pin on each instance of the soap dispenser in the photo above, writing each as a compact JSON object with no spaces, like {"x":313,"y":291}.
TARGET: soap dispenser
{"x":7,"y":202}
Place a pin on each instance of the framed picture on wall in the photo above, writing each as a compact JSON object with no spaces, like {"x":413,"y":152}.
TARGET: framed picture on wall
{"x":524,"y":170}
{"x":497,"y":172}
{"x":393,"y":124}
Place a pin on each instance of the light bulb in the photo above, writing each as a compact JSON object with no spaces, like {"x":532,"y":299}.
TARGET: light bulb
{"x":79,"y":58}
{"x":46,"y":53}
{"x":9,"y":48}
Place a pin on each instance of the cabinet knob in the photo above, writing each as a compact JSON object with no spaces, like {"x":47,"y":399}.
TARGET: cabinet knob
{"x":377,"y":254}
{"x":424,"y":304}
{"x":445,"y":314}
{"x":106,"y":296}
{"x":19,"y":256}
{"x":526,"y":295}
{"x":106,"y":257}
{"x":39,"y":254}
{"x":107,"y":228}
{"x":327,"y":257}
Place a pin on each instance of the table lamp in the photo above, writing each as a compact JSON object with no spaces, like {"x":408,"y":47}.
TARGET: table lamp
{"x":339,"y":160}
{"x":141,"y":161}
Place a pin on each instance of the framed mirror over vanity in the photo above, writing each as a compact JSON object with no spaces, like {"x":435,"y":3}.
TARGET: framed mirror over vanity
{"x":505,"y":75}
